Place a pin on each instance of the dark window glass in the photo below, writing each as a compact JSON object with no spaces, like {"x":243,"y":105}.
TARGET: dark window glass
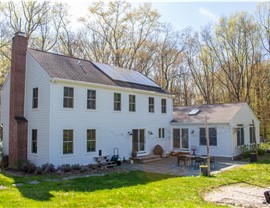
{"x":91,"y":99}
{"x":34,"y":141}
{"x":68,"y":141}
{"x":117,"y":102}
{"x":35,"y":98}
{"x":151,"y":105}
{"x":212,"y":136}
{"x":240,"y":136}
{"x":163,"y":106}
{"x":132,"y":103}
{"x":161,"y":133}
{"x":251,"y":134}
{"x":91,"y":140}
{"x":68,"y":97}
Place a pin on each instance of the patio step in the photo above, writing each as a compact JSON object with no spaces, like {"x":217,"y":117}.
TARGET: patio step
{"x":146,"y":158}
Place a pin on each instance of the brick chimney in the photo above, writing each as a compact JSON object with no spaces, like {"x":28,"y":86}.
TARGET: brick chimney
{"x":18,"y":125}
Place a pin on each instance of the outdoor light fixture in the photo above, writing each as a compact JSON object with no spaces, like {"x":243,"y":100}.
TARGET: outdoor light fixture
{"x":150,"y":132}
{"x":129,"y":133}
{"x":192,"y":132}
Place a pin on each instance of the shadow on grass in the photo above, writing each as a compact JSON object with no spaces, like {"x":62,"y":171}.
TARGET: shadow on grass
{"x":42,"y":191}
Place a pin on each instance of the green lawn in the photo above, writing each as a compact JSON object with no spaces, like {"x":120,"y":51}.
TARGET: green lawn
{"x":133,"y":189}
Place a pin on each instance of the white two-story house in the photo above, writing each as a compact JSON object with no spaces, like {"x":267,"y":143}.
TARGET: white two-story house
{"x":73,"y":110}
{"x":62,"y":110}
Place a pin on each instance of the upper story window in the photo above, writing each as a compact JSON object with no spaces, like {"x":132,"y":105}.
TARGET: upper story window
{"x":35,"y":98}
{"x":151,"y":105}
{"x":68,"y":97}
{"x":212,"y":136}
{"x":68,"y":141}
{"x":91,"y":99}
{"x":132,"y":103}
{"x":117,"y":102}
{"x":91,"y":140}
{"x":240,"y":135}
{"x":163,"y":106}
{"x":34,"y":141}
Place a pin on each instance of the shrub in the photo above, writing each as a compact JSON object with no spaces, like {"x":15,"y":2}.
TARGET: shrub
{"x":4,"y":162}
{"x":65,"y":168}
{"x":76,"y":167}
{"x":39,"y":170}
{"x":26,"y":166}
{"x":48,"y":168}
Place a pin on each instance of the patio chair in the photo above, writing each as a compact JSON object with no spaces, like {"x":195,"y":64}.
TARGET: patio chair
{"x":199,"y":161}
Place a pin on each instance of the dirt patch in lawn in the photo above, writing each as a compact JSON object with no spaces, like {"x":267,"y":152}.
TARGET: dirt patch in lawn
{"x":238,"y":195}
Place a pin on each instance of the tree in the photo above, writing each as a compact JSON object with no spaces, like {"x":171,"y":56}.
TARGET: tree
{"x":234,"y":47}
{"x":117,"y":32}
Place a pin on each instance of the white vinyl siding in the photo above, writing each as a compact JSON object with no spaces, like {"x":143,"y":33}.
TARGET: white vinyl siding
{"x":111,"y":127}
{"x":39,"y":119}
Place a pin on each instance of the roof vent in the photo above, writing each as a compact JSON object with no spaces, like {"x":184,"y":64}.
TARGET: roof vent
{"x":194,"y":112}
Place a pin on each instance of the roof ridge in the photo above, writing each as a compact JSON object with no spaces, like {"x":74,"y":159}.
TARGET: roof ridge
{"x":212,"y":104}
{"x":57,"y":54}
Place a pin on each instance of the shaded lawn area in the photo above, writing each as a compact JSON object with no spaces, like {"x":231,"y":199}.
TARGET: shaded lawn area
{"x":133,"y":189}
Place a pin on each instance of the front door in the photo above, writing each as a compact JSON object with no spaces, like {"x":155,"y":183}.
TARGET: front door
{"x":138,"y":140}
{"x":180,"y":138}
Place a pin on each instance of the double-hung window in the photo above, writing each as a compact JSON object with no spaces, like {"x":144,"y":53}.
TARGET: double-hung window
{"x":117,"y":102}
{"x":151,"y":105}
{"x":91,"y":99}
{"x":68,"y":97}
{"x":251,"y":134}
{"x":34,"y":141}
{"x":91,"y":140}
{"x":35,"y":98}
{"x":68,"y":141}
{"x":212,"y":132}
{"x":132,"y":103}
{"x":163,"y":106}
{"x":240,"y":135}
{"x":161,"y":133}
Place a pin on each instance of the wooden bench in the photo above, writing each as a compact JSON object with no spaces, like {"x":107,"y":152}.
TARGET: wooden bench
{"x":104,"y":162}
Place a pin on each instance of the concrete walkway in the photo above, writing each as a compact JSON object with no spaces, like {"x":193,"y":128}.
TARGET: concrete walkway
{"x":169,"y":166}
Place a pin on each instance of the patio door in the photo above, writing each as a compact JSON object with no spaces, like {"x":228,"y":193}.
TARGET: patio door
{"x":138,"y":140}
{"x":180,"y":138}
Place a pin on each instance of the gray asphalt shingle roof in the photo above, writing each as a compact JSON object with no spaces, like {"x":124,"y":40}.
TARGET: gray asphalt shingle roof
{"x":216,"y":113}
{"x":64,"y":67}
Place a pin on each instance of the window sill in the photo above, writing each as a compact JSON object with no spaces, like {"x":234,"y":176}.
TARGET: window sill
{"x":91,"y":153}
{"x":91,"y":110}
{"x":69,"y":109}
{"x":68,"y":155}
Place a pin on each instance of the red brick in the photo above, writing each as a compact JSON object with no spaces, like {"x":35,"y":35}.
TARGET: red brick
{"x":18,"y":125}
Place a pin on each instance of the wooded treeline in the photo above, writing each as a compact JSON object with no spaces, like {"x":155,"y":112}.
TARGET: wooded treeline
{"x":226,"y":62}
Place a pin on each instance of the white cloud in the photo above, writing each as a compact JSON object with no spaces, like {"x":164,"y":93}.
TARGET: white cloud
{"x":208,"y":13}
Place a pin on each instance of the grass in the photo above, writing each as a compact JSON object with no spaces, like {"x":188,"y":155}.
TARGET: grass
{"x":133,"y":189}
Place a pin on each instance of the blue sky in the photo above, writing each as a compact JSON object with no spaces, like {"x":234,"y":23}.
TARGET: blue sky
{"x":184,"y":14}
{"x":198,"y":14}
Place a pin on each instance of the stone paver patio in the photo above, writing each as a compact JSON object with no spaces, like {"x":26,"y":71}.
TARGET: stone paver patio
{"x":169,"y":166}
